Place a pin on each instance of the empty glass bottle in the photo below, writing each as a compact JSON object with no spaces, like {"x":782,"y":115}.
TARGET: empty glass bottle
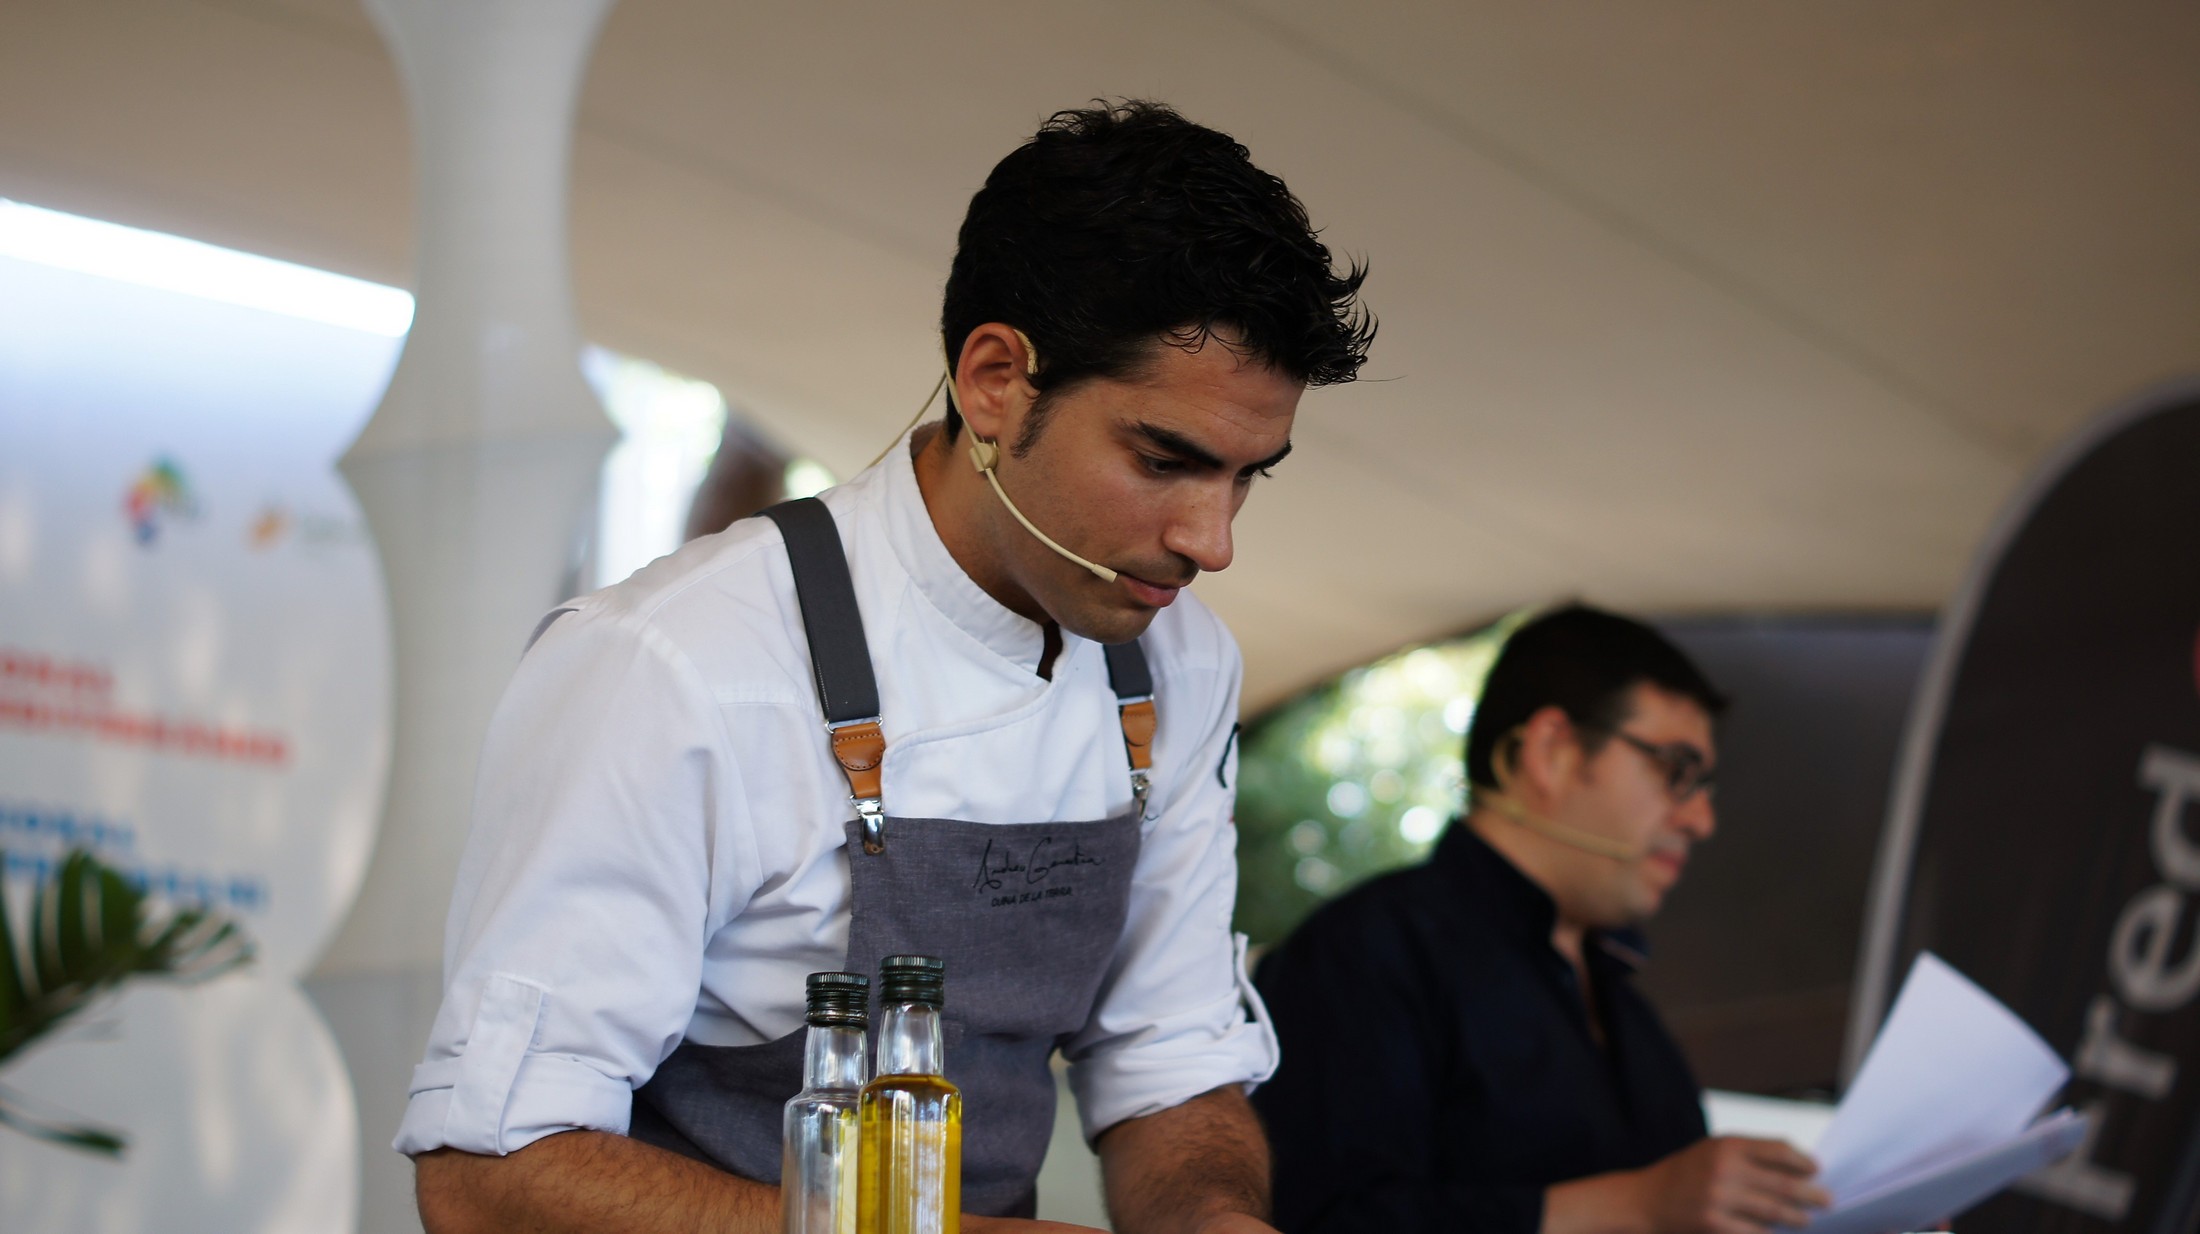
{"x":911,"y":1153}
{"x":817,"y":1168}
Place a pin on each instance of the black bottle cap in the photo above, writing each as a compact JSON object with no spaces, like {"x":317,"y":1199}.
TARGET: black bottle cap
{"x":839,"y":1000}
{"x":920,"y":979}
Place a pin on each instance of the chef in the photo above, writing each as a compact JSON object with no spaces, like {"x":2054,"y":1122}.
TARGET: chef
{"x":960,"y":705}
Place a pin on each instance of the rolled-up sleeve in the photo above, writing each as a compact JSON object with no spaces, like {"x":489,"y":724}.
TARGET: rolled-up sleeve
{"x":1177,"y":1015}
{"x":604,"y":849}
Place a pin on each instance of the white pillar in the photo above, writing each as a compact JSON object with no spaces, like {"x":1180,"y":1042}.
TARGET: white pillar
{"x":482,"y":460}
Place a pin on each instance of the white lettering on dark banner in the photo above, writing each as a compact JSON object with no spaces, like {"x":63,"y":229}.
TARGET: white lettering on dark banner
{"x":2150,"y":977}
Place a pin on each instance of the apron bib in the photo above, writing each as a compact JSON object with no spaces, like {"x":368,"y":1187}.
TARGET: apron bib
{"x":1027,"y":916}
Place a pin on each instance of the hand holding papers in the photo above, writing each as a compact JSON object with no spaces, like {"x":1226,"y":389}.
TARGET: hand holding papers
{"x":1941,"y":1114}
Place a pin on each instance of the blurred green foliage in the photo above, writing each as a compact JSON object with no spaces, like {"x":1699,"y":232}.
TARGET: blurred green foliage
{"x":89,"y":930}
{"x":1354,"y":777}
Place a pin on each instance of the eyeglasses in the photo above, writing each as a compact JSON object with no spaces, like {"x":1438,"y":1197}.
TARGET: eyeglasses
{"x":1686,"y":769}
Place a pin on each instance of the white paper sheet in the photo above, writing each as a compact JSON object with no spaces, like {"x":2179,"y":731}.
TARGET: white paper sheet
{"x":1766,"y":1118}
{"x":1952,"y":1074}
{"x":1917,"y":1202}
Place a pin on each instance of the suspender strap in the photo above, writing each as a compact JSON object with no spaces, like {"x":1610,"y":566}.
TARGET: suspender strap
{"x":838,"y":651}
{"x":839,"y":654}
{"x":1128,"y":675}
{"x":1132,"y":681}
{"x":848,"y":690}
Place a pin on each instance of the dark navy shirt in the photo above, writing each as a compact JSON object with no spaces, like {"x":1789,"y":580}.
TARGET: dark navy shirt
{"x":1438,"y":1068}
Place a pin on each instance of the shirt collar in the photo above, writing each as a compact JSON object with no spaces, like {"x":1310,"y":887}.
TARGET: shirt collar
{"x":1520,"y":905}
{"x":1510,"y":896}
{"x":954,"y":593}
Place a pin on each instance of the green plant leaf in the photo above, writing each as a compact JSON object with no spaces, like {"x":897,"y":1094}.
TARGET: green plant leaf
{"x":90,"y":930}
{"x":14,"y":1001}
{"x":120,"y":905}
{"x":46,"y":966}
{"x":89,"y":1138}
{"x":198,"y":946}
{"x":79,"y":951}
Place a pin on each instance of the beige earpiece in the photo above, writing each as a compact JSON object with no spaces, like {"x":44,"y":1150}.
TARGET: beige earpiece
{"x":1506,"y":806}
{"x":986,"y":455}
{"x":1550,"y":829}
{"x":947,"y":383}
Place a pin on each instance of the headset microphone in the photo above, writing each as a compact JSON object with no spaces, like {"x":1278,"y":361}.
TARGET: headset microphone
{"x":1588,"y":842}
{"x":983,"y":456}
{"x":986,"y":455}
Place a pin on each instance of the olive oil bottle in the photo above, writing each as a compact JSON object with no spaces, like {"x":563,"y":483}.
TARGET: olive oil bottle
{"x":910,"y":1156}
{"x":817,"y":1165}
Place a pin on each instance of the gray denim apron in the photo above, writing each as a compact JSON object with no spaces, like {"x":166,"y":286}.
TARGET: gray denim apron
{"x":1026,"y":915}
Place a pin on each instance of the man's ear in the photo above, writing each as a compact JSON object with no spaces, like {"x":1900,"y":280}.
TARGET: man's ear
{"x":991,"y":389}
{"x":1547,"y":754}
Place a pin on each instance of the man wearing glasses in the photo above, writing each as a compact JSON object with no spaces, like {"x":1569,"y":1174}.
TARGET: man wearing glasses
{"x":1462,"y":1045}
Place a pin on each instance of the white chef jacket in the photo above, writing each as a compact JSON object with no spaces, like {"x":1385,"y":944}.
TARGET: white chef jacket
{"x":657,"y":841}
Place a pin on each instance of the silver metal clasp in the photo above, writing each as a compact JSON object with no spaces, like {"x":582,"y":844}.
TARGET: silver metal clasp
{"x":872,"y":814}
{"x":1141,"y":788}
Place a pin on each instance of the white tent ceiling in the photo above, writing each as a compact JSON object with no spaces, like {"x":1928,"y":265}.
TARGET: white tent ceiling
{"x":1686,"y":306}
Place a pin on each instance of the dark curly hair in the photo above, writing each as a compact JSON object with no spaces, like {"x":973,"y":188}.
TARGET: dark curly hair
{"x":1120,"y":225}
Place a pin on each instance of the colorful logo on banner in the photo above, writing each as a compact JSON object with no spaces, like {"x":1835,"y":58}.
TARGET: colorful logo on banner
{"x":158,"y":495}
{"x":268,"y":528}
{"x":2046,"y":831}
{"x":276,"y":524}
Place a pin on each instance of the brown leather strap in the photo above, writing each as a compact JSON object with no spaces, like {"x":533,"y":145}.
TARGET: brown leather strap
{"x":1138,"y":725}
{"x":860,"y":749}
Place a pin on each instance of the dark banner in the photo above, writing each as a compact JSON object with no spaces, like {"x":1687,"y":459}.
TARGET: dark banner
{"x":2045,"y":834}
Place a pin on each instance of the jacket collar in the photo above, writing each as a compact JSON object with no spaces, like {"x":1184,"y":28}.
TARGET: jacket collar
{"x":941,"y":580}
